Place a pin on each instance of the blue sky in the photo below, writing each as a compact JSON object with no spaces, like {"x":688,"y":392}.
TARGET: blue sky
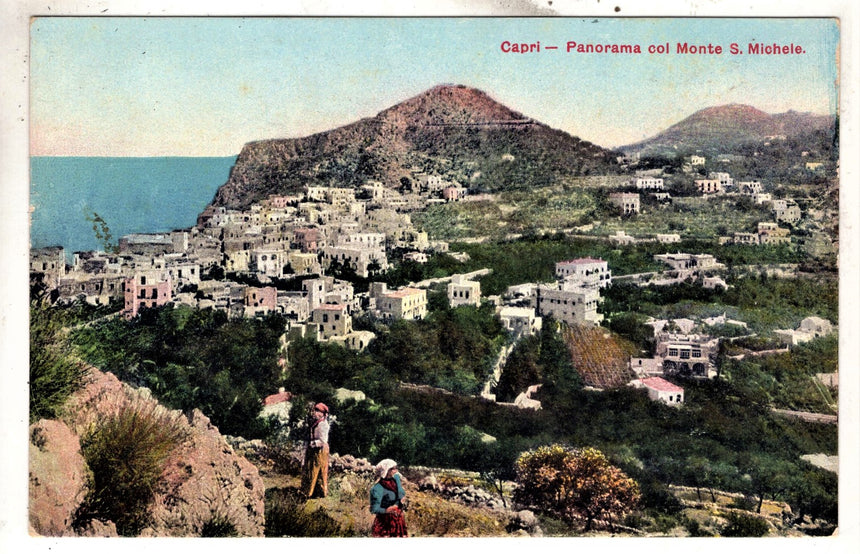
{"x":205,"y":86}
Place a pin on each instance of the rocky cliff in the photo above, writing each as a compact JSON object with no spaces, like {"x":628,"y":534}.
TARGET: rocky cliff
{"x":203,"y":478}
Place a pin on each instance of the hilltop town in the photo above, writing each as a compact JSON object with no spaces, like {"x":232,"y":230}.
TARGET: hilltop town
{"x":634,"y":271}
{"x":316,"y":245}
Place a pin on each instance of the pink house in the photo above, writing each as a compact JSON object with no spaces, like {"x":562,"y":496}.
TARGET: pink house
{"x":453,"y":193}
{"x":147,"y":289}
{"x":261,"y":299}
{"x":307,"y":239}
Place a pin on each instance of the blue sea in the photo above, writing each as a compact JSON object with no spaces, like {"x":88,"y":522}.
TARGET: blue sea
{"x":132,"y":195}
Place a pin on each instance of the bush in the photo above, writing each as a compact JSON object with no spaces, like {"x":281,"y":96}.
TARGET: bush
{"x":287,"y":516}
{"x":54,"y":376}
{"x":695,"y":529}
{"x":126,"y":454}
{"x":743,"y":525}
{"x":574,"y":484}
{"x":219,"y":526}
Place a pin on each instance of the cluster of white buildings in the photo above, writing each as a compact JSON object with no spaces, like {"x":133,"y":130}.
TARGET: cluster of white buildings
{"x":767,"y":233}
{"x":810,"y":328}
{"x":573,"y":298}
{"x":282,"y":237}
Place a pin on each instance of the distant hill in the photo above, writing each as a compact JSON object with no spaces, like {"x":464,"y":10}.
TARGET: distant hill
{"x":724,"y":128}
{"x":450,"y":130}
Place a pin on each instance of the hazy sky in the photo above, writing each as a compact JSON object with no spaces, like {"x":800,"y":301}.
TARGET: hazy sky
{"x":205,"y":86}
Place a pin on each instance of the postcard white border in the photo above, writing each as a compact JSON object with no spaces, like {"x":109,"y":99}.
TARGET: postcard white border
{"x":14,"y":190}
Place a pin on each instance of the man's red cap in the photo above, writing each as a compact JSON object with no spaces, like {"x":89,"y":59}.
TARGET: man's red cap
{"x":321,"y":407}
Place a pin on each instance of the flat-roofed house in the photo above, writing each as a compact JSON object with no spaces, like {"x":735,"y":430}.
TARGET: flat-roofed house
{"x":726,"y":181}
{"x":681,"y":261}
{"x":406,"y":303}
{"x":462,"y":292}
{"x":259,"y":301}
{"x":661,"y":390}
{"x":331,"y":320}
{"x":520,"y":321}
{"x":98,"y":289}
{"x":687,"y":355}
{"x":308,"y":239}
{"x":786,"y":211}
{"x":709,"y":186}
{"x":146,"y":289}
{"x":627,"y":202}
{"x":568,"y":302}
{"x":647,"y":183}
{"x":771,"y":233}
{"x":48,"y":265}
{"x":585,"y":271}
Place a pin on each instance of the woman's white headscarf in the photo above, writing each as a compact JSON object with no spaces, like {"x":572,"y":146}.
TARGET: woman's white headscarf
{"x":383,"y":467}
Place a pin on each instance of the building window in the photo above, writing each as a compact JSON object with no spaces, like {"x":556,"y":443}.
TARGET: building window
{"x":673,"y":351}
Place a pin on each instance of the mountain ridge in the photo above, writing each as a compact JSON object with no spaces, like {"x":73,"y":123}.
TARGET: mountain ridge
{"x":719,"y":128}
{"x":454,"y":130}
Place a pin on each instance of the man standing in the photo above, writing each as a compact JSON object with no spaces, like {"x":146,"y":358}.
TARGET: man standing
{"x":315,"y":469}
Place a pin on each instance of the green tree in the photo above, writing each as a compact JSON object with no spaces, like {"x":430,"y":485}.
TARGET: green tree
{"x":521,"y":370}
{"x":744,"y":525}
{"x":103,"y":234}
{"x":769,"y":476}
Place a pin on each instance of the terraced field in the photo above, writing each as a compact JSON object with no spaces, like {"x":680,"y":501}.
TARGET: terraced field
{"x":600,"y":356}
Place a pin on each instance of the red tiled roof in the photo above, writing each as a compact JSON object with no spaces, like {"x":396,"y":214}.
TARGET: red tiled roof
{"x":403,"y":293}
{"x":660,"y":384}
{"x":277,"y":398}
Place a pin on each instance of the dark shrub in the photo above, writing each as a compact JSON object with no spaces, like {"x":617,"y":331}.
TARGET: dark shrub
{"x":743,"y":525}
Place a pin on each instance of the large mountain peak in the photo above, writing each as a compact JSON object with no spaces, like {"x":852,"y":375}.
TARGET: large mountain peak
{"x":450,"y":105}
{"x":454,"y":131}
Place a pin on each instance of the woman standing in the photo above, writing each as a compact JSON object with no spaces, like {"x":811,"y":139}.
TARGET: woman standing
{"x":386,"y":501}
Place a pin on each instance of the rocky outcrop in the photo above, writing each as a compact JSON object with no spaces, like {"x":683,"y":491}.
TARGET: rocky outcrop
{"x":204,"y":479}
{"x":58,"y":477}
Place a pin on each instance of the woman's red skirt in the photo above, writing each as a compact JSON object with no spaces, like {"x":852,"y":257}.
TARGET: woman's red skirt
{"x":391,"y":524}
